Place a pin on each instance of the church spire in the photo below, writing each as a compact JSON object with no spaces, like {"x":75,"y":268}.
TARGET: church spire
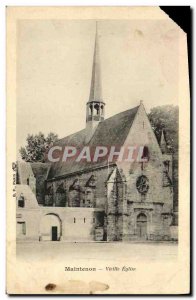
{"x":96,"y":89}
{"x":95,"y":105}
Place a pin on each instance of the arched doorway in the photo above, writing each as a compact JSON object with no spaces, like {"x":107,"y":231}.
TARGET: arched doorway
{"x":142,"y":226}
{"x":50,"y":228}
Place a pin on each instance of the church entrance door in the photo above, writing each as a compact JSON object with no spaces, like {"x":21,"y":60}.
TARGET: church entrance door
{"x":142,"y":226}
{"x":54,"y":233}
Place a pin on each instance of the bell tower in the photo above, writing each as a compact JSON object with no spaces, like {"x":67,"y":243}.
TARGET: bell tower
{"x":95,"y":107}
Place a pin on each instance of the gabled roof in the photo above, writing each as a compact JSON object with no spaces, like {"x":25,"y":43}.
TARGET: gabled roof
{"x":76,"y":139}
{"x":110,"y":132}
{"x":114,"y":130}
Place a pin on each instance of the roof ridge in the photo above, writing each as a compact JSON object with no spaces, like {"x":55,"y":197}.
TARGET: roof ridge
{"x":72,"y":134}
{"x":112,"y":131}
{"x":121,"y":113}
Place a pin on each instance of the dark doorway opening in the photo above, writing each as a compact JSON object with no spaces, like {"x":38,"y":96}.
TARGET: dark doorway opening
{"x":54,"y":233}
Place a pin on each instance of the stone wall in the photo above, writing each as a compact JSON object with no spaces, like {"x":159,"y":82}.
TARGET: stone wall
{"x":126,"y":203}
{"x":100,"y":175}
{"x":40,"y":189}
{"x":75,"y":224}
{"x":115,"y":192}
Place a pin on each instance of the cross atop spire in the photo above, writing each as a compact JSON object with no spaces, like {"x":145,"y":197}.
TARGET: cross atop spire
{"x":95,"y":89}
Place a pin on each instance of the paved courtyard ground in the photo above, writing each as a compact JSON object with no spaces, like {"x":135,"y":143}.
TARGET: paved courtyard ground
{"x":93,"y":251}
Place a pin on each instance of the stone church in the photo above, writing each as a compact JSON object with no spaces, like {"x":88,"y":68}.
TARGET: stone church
{"x":101,"y":201}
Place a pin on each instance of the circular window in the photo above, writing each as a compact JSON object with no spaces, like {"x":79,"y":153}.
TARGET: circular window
{"x":142,"y":184}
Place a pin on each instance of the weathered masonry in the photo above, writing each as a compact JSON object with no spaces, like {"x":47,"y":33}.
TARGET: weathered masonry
{"x":101,"y":201}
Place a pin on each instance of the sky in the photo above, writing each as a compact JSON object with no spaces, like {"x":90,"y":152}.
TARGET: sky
{"x":139,"y":61}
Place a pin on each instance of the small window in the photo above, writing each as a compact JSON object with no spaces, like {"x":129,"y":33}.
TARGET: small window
{"x":74,"y":220}
{"x":89,"y":198}
{"x":27,"y":181}
{"x":21,"y":228}
{"x":145,"y":152}
{"x":21,"y":201}
{"x":93,"y":220}
{"x":84,"y":220}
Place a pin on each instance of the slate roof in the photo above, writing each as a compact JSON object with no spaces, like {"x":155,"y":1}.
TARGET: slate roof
{"x":112,"y":131}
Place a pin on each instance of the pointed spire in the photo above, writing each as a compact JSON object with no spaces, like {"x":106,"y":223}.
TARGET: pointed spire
{"x":95,"y":107}
{"x":163,"y":144}
{"x":95,"y":90}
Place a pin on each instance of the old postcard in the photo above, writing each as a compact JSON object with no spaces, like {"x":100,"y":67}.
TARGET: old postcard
{"x":98,"y":149}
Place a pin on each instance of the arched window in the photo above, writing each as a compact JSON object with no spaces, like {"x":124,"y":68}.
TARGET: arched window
{"x":91,"y":108}
{"x":141,"y":218}
{"x":89,"y":198}
{"x":97,"y":108}
{"x":145,"y":154}
{"x":60,"y":197}
{"x":91,"y":182}
{"x":49,"y":190}
{"x":75,"y":186}
{"x":75,"y":193}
